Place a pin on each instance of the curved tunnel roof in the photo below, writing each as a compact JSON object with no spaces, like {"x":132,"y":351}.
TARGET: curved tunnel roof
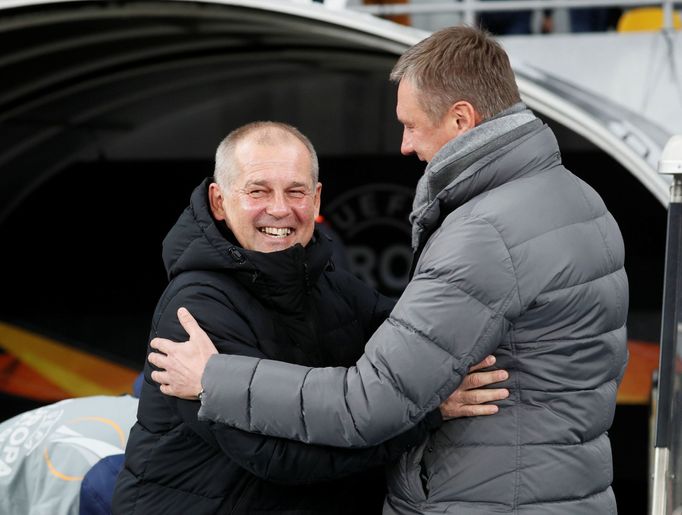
{"x":77,"y":76}
{"x":104,"y":79}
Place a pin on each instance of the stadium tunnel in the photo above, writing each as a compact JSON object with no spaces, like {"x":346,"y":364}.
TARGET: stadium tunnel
{"x":110,"y":112}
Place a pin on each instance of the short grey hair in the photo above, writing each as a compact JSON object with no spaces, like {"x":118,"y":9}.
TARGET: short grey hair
{"x":459,"y":63}
{"x":265,"y":132}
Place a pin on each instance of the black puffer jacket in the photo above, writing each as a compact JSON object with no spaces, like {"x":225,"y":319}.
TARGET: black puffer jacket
{"x":276,"y":305}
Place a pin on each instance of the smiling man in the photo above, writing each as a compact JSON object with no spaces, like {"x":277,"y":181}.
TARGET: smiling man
{"x":266,"y":188}
{"x":246,"y":259}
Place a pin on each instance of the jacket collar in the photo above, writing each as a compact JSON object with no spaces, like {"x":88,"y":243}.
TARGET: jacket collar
{"x":199,"y":242}
{"x":525,"y":150}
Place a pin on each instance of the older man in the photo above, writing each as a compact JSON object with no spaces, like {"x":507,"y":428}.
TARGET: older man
{"x":245,"y":257}
{"x":515,"y":256}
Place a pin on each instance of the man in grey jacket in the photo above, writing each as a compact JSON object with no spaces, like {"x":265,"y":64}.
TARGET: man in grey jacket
{"x":514,"y":256}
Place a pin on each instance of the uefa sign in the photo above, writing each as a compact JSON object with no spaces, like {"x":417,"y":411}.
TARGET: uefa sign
{"x":372,"y":221}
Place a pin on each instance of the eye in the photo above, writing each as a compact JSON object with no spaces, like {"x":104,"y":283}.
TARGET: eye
{"x":256,"y":192}
{"x":297,"y":193}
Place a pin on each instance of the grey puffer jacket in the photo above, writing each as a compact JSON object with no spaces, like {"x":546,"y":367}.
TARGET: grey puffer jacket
{"x":516,"y":257}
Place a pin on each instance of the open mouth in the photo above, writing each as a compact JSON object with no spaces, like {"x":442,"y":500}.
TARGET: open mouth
{"x":277,"y":232}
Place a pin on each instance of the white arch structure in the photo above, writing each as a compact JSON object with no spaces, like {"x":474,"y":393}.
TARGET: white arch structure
{"x":79,"y":75}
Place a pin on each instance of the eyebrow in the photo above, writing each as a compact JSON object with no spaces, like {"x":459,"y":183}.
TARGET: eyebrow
{"x":295,"y":184}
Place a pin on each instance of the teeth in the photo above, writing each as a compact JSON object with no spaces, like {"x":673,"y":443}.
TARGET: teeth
{"x":280,"y":232}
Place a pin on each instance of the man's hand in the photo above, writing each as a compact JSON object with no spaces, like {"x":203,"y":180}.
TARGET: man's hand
{"x":467,"y":400}
{"x":182,"y":363}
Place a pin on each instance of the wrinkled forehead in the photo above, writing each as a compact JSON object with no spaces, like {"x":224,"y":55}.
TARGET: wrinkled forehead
{"x":283,"y":162}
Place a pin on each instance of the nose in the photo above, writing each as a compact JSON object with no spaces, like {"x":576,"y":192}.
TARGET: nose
{"x":278,"y":205}
{"x":406,"y":145}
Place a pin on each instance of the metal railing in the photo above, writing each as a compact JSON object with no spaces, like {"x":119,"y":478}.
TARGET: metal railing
{"x":469,"y":8}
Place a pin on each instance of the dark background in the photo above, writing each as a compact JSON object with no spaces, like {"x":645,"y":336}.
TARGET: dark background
{"x":81,"y":263}
{"x":110,"y":112}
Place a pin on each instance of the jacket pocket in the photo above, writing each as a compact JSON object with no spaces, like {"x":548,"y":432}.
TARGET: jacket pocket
{"x":405,"y":478}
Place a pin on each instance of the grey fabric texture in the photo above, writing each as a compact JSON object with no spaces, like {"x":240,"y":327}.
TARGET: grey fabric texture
{"x":516,"y":257}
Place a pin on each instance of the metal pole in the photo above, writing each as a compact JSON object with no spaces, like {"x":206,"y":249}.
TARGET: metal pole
{"x":671,"y":163}
{"x":659,"y":493}
{"x":667,"y":14}
{"x":469,"y":13}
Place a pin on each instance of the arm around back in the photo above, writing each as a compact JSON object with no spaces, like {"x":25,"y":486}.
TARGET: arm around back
{"x":271,"y":458}
{"x":452,"y":314}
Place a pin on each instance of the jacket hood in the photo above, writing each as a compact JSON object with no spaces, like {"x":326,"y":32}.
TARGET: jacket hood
{"x":198,"y":241}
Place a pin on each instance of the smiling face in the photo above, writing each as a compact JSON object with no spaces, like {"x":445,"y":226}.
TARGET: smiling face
{"x":271,"y":202}
{"x":421,"y":136}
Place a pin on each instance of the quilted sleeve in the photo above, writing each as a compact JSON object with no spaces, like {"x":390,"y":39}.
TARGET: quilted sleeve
{"x":452,"y":314}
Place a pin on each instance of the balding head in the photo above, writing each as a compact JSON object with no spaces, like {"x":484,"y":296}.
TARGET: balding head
{"x":266,"y":187}
{"x":263,"y":133}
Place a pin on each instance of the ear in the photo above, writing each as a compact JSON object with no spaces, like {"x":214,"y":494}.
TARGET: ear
{"x":215,"y":200}
{"x":318,"y":198}
{"x":463,"y":116}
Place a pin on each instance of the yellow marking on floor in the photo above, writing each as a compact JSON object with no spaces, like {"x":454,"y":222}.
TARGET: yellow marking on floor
{"x":75,"y":371}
